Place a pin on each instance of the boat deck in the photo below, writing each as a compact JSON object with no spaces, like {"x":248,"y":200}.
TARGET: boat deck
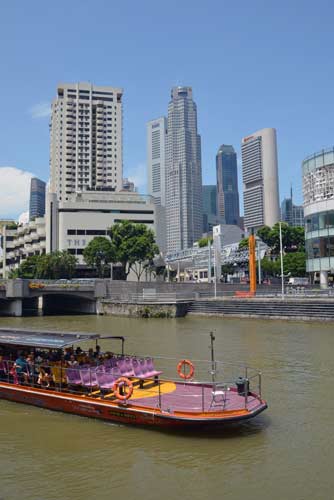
{"x":178,"y":396}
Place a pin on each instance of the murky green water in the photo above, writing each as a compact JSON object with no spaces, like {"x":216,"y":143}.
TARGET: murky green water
{"x":285,"y":453}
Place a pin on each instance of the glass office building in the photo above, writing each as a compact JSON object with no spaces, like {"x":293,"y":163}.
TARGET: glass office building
{"x":318,"y":192}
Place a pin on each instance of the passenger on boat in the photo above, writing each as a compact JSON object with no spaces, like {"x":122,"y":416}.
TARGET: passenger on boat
{"x":21,"y":367}
{"x":68,"y":353}
{"x":44,"y":378}
{"x":3,"y":368}
{"x":97,"y":352}
{"x":72,"y":361}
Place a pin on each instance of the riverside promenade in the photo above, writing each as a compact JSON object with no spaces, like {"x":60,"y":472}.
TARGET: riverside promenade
{"x":162,"y":300}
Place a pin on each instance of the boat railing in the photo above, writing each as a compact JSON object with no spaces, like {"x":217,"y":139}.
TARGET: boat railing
{"x":195,"y":393}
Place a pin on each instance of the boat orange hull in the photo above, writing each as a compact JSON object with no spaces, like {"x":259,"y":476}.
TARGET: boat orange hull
{"x":119,"y":412}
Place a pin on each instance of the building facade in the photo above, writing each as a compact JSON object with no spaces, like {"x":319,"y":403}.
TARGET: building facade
{"x":292,"y":214}
{"x":73,"y":223}
{"x":156,"y":159}
{"x":86,"y":139}
{"x":210,"y":217}
{"x":37,"y":198}
{"x":183,"y":172}
{"x":156,"y":172}
{"x":227,"y":185}
{"x":260,"y":179}
{"x":20,"y":243}
{"x":318,"y":193}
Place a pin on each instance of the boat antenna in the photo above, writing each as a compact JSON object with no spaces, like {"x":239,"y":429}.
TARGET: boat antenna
{"x":213,"y":362}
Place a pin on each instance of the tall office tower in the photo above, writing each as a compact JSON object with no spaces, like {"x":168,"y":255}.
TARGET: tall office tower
{"x":227,"y":185}
{"x":37,"y":198}
{"x":209,"y":196}
{"x":183,"y":172}
{"x":291,"y":213}
{"x":156,"y":150}
{"x":86,"y":139}
{"x":260,"y":179}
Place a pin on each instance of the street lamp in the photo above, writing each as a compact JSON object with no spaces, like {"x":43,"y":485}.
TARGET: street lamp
{"x":281,"y":253}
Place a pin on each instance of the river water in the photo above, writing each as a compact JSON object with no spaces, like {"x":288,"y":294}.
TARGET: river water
{"x":285,"y":453}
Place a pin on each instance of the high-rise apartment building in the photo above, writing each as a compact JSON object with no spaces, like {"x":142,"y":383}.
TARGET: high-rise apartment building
{"x":156,"y":152}
{"x":37,"y":198}
{"x":227,"y":185}
{"x":183,"y":172}
{"x":260,"y":179}
{"x":86,"y":139}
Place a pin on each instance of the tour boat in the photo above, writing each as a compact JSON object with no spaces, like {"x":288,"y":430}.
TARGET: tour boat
{"x":124,"y":388}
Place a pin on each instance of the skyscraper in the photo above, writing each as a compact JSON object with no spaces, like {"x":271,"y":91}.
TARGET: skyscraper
{"x":210,"y":219}
{"x":183,"y":172}
{"x":260,"y":179}
{"x":292,"y":214}
{"x":37,"y":198}
{"x":227,"y":185}
{"x":156,"y":171}
{"x":156,"y":150}
{"x":86,"y":139}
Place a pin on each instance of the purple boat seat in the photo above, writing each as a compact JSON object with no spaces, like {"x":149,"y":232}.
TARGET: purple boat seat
{"x":106,"y":380}
{"x":88,"y":377}
{"x":151,"y":371}
{"x":125,"y":367}
{"x":73,"y":376}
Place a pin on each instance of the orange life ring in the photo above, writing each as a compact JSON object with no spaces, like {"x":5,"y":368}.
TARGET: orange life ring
{"x":180,"y":369}
{"x":121,"y":382}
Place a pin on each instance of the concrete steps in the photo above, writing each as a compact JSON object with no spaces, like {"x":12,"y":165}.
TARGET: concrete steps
{"x":294,"y":309}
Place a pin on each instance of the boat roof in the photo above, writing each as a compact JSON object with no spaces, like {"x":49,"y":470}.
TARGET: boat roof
{"x":47,"y":339}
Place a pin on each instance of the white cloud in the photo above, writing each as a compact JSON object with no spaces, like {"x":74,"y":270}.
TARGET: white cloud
{"x":40,"y":110}
{"x":14,"y":192}
{"x":138,"y":175}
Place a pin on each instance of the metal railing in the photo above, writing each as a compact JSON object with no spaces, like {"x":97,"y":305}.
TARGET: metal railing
{"x":194,"y":395}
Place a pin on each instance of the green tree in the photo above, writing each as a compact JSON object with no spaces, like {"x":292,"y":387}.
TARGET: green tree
{"x":56,"y":265}
{"x":270,"y":267}
{"x":295,"y":264}
{"x":243,"y":244}
{"x":293,"y":238}
{"x":99,"y":253}
{"x":27,"y":269}
{"x":203,"y":242}
{"x":133,"y":246}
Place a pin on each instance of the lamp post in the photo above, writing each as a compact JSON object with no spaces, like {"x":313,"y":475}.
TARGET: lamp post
{"x":281,"y":252}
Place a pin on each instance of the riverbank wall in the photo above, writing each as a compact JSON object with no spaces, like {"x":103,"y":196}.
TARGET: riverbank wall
{"x":267,"y":308}
{"x":143,"y":309}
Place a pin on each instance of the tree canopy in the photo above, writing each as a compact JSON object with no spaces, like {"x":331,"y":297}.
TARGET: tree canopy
{"x":55,"y":265}
{"x":27,"y":269}
{"x":99,"y":253}
{"x":293,"y":238}
{"x":203,"y":242}
{"x":133,"y":246}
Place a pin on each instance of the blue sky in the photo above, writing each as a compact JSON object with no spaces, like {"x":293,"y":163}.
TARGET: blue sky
{"x":251,"y":65}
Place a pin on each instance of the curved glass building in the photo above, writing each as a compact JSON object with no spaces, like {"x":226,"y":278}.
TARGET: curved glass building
{"x":318,"y":192}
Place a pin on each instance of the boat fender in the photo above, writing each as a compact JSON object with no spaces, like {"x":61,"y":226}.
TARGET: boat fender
{"x":121,"y":382}
{"x":180,"y":369}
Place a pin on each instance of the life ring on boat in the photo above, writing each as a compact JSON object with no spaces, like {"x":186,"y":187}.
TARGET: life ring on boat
{"x":181,"y":366}
{"x":121,"y":382}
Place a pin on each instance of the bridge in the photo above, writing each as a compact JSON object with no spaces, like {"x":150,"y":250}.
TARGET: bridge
{"x":19,"y":296}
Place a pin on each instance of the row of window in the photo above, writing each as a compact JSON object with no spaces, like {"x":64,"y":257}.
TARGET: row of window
{"x":320,"y":247}
{"x":322,"y":220}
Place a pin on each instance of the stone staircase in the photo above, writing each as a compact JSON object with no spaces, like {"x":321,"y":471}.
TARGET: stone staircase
{"x":288,"y":308}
